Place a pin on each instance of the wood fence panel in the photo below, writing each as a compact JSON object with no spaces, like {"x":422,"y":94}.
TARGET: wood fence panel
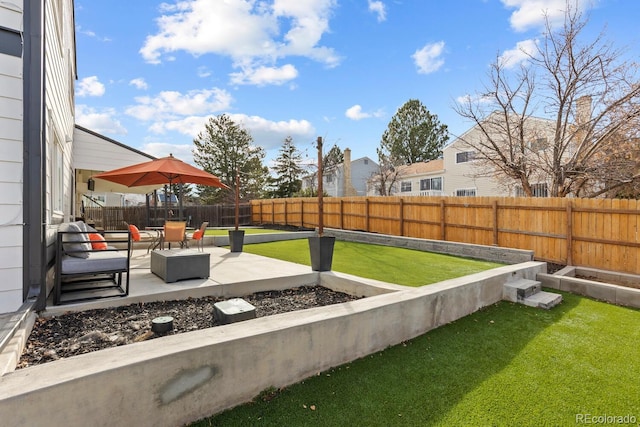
{"x":599,"y":233}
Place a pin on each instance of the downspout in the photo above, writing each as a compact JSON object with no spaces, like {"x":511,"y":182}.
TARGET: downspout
{"x":34,"y":143}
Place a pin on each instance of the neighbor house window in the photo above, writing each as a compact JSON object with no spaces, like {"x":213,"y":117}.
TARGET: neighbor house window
{"x":465,"y":156}
{"x":466,"y":192}
{"x":539,"y":144}
{"x":537,"y":190}
{"x":405,"y":186}
{"x":431,"y":184}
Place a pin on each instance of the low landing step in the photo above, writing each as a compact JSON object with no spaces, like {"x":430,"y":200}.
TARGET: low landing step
{"x":518,"y":290}
{"x":543,"y":299}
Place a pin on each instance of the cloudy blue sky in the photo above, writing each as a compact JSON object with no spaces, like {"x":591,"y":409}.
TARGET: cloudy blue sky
{"x":151,"y":73}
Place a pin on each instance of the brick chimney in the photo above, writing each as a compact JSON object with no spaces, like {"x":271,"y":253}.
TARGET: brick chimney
{"x":583,"y":110}
{"x":348,"y":189}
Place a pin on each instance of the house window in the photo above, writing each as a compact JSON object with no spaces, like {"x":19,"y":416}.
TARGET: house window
{"x":465,"y":156}
{"x":539,"y":144}
{"x":57,"y":181}
{"x":366,"y":161}
{"x":537,"y":190}
{"x":431,"y":184}
{"x":329,"y":178}
{"x":466,"y":192}
{"x":405,"y":186}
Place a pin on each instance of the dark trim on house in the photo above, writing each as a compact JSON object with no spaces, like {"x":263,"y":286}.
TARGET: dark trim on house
{"x":34,"y":143}
{"x":113,"y":141}
{"x":10,"y":42}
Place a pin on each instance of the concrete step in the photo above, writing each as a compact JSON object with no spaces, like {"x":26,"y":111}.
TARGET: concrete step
{"x":543,"y":299}
{"x":518,"y":290}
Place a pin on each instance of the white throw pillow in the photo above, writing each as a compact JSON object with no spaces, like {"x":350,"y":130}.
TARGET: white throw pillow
{"x":75,"y":242}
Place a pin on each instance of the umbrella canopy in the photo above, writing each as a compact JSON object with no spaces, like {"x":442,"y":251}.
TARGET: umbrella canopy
{"x":166,"y":170}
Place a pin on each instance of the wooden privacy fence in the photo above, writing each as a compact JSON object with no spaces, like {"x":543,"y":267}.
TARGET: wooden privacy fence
{"x":114,"y":217}
{"x":597,"y":233}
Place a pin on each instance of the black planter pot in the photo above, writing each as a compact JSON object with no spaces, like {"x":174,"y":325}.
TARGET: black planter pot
{"x":321,"y":251}
{"x":236,"y":240}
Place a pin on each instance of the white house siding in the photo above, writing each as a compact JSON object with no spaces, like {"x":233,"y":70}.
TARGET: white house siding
{"x":11,"y":165}
{"x":462,"y":176}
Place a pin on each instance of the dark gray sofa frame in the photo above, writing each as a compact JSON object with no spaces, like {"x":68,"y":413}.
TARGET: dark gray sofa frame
{"x":98,"y":276}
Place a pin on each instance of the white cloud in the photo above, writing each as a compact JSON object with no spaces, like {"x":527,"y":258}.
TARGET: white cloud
{"x":262,"y":76}
{"x":530,"y":14}
{"x":139,"y":83}
{"x":163,"y":149}
{"x":203,"y":72}
{"x":522,"y":52}
{"x":252,"y":34}
{"x":89,"y":86}
{"x":173,"y":104}
{"x":266,"y":133}
{"x":428,"y":59}
{"x":356,"y":113}
{"x":378,"y":8}
{"x":102,"y":121}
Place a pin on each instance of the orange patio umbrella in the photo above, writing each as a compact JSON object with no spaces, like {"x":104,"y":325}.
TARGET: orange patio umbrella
{"x":163,"y":171}
{"x":166,"y":170}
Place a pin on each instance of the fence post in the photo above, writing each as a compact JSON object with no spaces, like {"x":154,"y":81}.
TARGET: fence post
{"x":495,"y":223}
{"x":286,"y":222}
{"x":569,"y":233}
{"x":443,"y":235}
{"x":301,"y":213}
{"x":273,"y":212}
{"x":401,"y":216}
{"x":341,"y":214}
{"x":366,"y":215}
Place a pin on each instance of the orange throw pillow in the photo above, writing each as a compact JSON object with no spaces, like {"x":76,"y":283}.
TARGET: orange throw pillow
{"x":135,"y":233}
{"x":97,"y":242}
{"x":197,"y":235}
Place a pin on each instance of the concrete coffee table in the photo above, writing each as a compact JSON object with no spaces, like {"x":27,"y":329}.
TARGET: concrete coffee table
{"x":180,"y":264}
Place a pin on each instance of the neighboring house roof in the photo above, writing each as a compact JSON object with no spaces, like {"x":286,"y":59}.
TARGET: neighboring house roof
{"x":422,"y":168}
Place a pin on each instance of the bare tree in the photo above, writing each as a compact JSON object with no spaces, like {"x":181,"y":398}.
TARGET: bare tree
{"x":555,"y":119}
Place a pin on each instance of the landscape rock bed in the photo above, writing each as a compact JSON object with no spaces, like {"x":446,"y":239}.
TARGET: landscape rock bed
{"x":82,"y":332}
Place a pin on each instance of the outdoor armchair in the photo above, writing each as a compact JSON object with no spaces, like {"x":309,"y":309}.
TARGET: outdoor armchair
{"x":175,"y":231}
{"x":198,"y":235}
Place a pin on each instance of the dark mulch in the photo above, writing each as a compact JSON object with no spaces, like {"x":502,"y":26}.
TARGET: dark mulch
{"x":76,"y":333}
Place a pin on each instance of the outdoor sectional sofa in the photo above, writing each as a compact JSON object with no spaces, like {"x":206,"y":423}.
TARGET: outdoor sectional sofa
{"x":87,"y":266}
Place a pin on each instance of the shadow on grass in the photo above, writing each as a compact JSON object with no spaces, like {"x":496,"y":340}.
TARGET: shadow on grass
{"x":420,"y":382}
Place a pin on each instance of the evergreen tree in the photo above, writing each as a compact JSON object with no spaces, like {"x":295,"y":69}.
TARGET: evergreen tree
{"x":288,"y":170}
{"x":413,"y":135}
{"x":224,"y":149}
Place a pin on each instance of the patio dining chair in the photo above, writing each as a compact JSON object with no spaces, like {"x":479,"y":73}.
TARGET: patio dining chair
{"x":137,"y":235}
{"x":198,"y":235}
{"x":175,"y":232}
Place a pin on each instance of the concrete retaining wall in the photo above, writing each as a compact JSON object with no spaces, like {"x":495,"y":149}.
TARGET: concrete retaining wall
{"x":181,"y":378}
{"x":487,"y":253}
{"x":565,"y":280}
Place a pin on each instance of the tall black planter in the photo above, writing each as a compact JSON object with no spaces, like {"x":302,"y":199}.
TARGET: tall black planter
{"x":236,"y":240}
{"x":321,"y":251}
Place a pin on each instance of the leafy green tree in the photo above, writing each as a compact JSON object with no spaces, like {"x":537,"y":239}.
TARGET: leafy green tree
{"x":413,"y":135}
{"x":288,"y":170}
{"x":225,"y":149}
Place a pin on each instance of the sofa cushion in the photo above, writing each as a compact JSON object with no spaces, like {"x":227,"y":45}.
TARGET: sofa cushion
{"x":102,"y":261}
{"x":76,"y":241}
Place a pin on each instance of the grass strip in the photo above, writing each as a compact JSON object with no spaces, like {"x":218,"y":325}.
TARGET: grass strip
{"x":401,"y":266}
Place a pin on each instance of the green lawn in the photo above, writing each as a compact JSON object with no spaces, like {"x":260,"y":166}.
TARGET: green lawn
{"x":225,"y":231}
{"x":506,"y":365}
{"x":394,"y":265}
